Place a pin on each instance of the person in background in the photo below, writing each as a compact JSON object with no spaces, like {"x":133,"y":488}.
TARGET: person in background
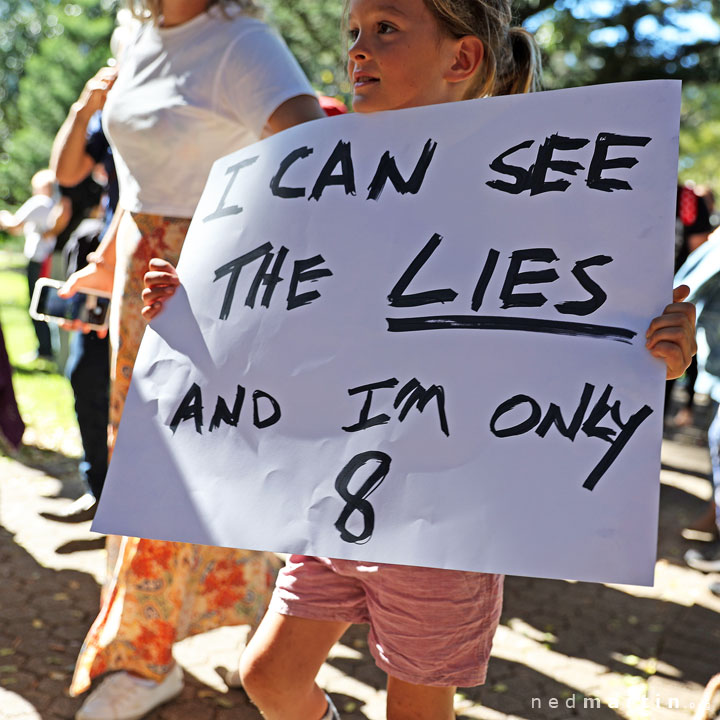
{"x":79,"y":147}
{"x":702,"y":272}
{"x":198,"y":79}
{"x":33,"y":219}
{"x":12,"y":426}
{"x":692,"y":229}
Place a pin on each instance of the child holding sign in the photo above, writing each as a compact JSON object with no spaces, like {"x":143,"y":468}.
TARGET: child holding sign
{"x":431,"y":630}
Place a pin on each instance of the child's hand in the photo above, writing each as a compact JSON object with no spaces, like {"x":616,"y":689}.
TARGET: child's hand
{"x":671,"y":337}
{"x":161,"y":281}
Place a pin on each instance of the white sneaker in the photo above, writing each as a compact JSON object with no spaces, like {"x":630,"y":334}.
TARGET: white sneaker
{"x":125,"y":697}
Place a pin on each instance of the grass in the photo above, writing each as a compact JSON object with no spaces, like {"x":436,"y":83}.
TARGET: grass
{"x":44,"y":395}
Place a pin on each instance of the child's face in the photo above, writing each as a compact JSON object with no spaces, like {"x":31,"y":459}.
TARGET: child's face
{"x":398,"y":56}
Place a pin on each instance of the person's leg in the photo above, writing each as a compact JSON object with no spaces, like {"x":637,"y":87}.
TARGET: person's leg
{"x":710,"y":561}
{"x":714,"y":448}
{"x":691,"y":375}
{"x":60,"y":339}
{"x":88,"y":369}
{"x":431,"y":630}
{"x":279,"y":666}
{"x":42,"y":331}
{"x":705,"y":526}
{"x":418,"y":702}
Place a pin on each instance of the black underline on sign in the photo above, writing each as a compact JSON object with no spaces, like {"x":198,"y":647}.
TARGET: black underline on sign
{"x":519,"y":324}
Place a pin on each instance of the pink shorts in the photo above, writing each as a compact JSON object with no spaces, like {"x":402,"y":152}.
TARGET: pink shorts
{"x":427,"y":626}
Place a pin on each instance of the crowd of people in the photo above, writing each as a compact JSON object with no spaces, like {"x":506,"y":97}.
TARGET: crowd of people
{"x":194,"y":80}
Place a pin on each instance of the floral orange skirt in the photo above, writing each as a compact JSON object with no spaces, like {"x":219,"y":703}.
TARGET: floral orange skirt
{"x":158,"y":592}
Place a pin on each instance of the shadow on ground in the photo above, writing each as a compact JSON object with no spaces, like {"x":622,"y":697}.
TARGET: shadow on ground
{"x":52,"y":463}
{"x":43,"y":618}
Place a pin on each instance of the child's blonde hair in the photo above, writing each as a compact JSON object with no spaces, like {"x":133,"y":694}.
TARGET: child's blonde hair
{"x":511,"y":63}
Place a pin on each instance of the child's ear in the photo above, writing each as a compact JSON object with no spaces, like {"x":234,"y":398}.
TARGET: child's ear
{"x":469,"y":53}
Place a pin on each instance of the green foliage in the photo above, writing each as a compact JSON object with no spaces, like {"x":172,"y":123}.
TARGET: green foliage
{"x":312,"y":30}
{"x":700,"y":135}
{"x":73,"y":45}
{"x":22,"y":26}
{"x":588,"y":43}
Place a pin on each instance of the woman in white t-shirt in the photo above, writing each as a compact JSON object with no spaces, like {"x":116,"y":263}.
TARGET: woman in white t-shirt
{"x":197,"y":81}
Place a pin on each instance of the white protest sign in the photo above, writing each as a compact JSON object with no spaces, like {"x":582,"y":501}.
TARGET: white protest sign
{"x":418,"y":337}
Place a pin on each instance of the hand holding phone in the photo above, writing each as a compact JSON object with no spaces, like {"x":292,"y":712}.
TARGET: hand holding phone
{"x":87,"y":308}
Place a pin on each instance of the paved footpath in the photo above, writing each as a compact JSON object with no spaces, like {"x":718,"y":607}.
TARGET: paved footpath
{"x":562,"y":647}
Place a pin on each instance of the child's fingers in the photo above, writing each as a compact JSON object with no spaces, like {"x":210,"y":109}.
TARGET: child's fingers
{"x":680,"y":314}
{"x":674,"y":333}
{"x":157,"y":277}
{"x":153,"y":295}
{"x":671,"y":336}
{"x":679,"y":321}
{"x":680,"y":293}
{"x":161,"y":281}
{"x":675,"y":356}
{"x":162,"y":265}
{"x":151,"y":311}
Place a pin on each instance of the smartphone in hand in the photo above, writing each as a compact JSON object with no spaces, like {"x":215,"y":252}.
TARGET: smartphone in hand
{"x":90,"y":307}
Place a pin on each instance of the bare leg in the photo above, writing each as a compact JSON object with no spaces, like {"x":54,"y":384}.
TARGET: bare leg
{"x":418,"y":702}
{"x":279,"y":666}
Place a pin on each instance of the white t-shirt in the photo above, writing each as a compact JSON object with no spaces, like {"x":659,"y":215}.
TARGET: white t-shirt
{"x":187,"y":95}
{"x":34,"y":214}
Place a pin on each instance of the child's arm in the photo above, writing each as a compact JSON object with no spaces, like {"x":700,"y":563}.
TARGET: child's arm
{"x":9,"y":223}
{"x":671,"y":337}
{"x":59,"y":218}
{"x":29,"y":210}
{"x":161,"y":281}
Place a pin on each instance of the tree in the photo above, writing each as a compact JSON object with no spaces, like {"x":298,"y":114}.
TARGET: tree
{"x":313,"y":32}
{"x":22,"y":26}
{"x":700,"y":135}
{"x":589,"y":43}
{"x":52,"y":77}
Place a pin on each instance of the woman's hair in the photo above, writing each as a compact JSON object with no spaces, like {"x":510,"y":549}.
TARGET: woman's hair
{"x":152,"y":9}
{"x":511,"y":63}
